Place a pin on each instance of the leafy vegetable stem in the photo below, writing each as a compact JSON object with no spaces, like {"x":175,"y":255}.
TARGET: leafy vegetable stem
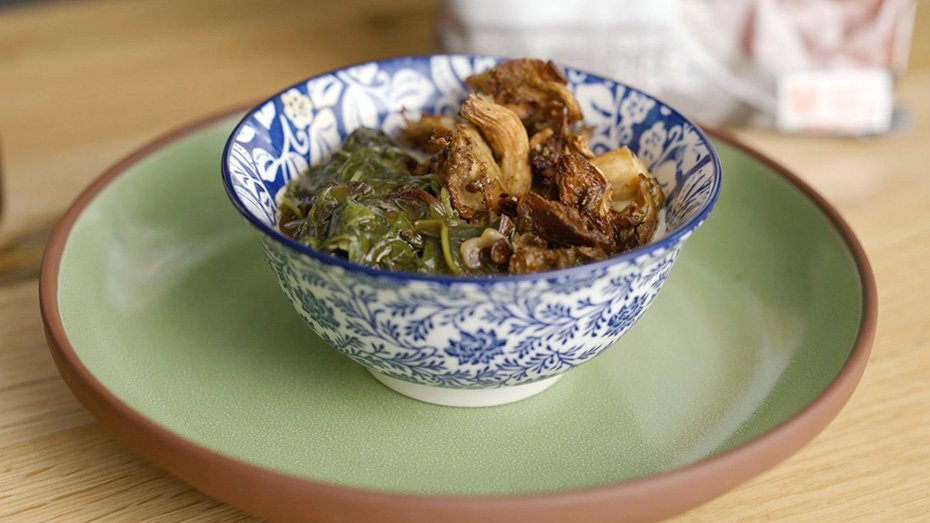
{"x":447,"y":249}
{"x":422,"y":224}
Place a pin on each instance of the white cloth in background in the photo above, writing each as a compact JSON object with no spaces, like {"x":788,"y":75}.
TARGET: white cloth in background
{"x":718,"y":60}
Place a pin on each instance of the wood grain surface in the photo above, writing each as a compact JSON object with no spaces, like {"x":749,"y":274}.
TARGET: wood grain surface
{"x":84,"y":83}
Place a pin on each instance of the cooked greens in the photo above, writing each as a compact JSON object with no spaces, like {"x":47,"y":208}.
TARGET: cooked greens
{"x":512,"y":187}
{"x":366,"y":205}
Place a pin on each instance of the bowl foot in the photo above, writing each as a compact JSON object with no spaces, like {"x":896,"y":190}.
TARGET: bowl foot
{"x":465,"y":397}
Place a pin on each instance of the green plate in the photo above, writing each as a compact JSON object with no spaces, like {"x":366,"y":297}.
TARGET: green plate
{"x":167,"y":322}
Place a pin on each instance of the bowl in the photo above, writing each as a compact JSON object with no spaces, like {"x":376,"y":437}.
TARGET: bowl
{"x":450,"y":340}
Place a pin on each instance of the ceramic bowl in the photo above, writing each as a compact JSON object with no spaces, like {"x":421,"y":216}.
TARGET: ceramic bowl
{"x":462,"y":341}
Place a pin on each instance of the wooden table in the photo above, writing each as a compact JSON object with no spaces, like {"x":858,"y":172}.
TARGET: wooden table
{"x":84,"y":83}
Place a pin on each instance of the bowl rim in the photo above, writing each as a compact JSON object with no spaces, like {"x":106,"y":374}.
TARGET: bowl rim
{"x":667,"y":242}
{"x":248,"y":487}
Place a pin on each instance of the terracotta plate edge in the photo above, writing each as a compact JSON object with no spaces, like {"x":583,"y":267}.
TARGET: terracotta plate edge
{"x":285,"y":498}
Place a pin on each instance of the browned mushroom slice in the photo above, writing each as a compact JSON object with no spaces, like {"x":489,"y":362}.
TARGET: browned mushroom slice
{"x":505,"y":134}
{"x":467,"y":164}
{"x":418,"y":133}
{"x":582,"y":186}
{"x":637,"y":196}
{"x":530,"y":254}
{"x":542,"y":139}
{"x":545,"y":149}
{"x":636,"y":224}
{"x":651,"y":185}
{"x":558,"y":223}
{"x":535,"y":90}
{"x":547,"y":146}
{"x":578,"y":143}
{"x":621,"y":168}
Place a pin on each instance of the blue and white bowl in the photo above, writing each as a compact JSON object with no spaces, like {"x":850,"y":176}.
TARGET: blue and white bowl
{"x":463,"y":341}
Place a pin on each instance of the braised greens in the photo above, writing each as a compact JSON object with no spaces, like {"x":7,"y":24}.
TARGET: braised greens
{"x":366,"y":205}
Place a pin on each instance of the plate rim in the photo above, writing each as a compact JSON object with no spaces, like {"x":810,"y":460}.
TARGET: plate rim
{"x":280,"y":496}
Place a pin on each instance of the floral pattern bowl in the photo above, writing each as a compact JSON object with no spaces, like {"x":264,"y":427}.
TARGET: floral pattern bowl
{"x":462,"y":341}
